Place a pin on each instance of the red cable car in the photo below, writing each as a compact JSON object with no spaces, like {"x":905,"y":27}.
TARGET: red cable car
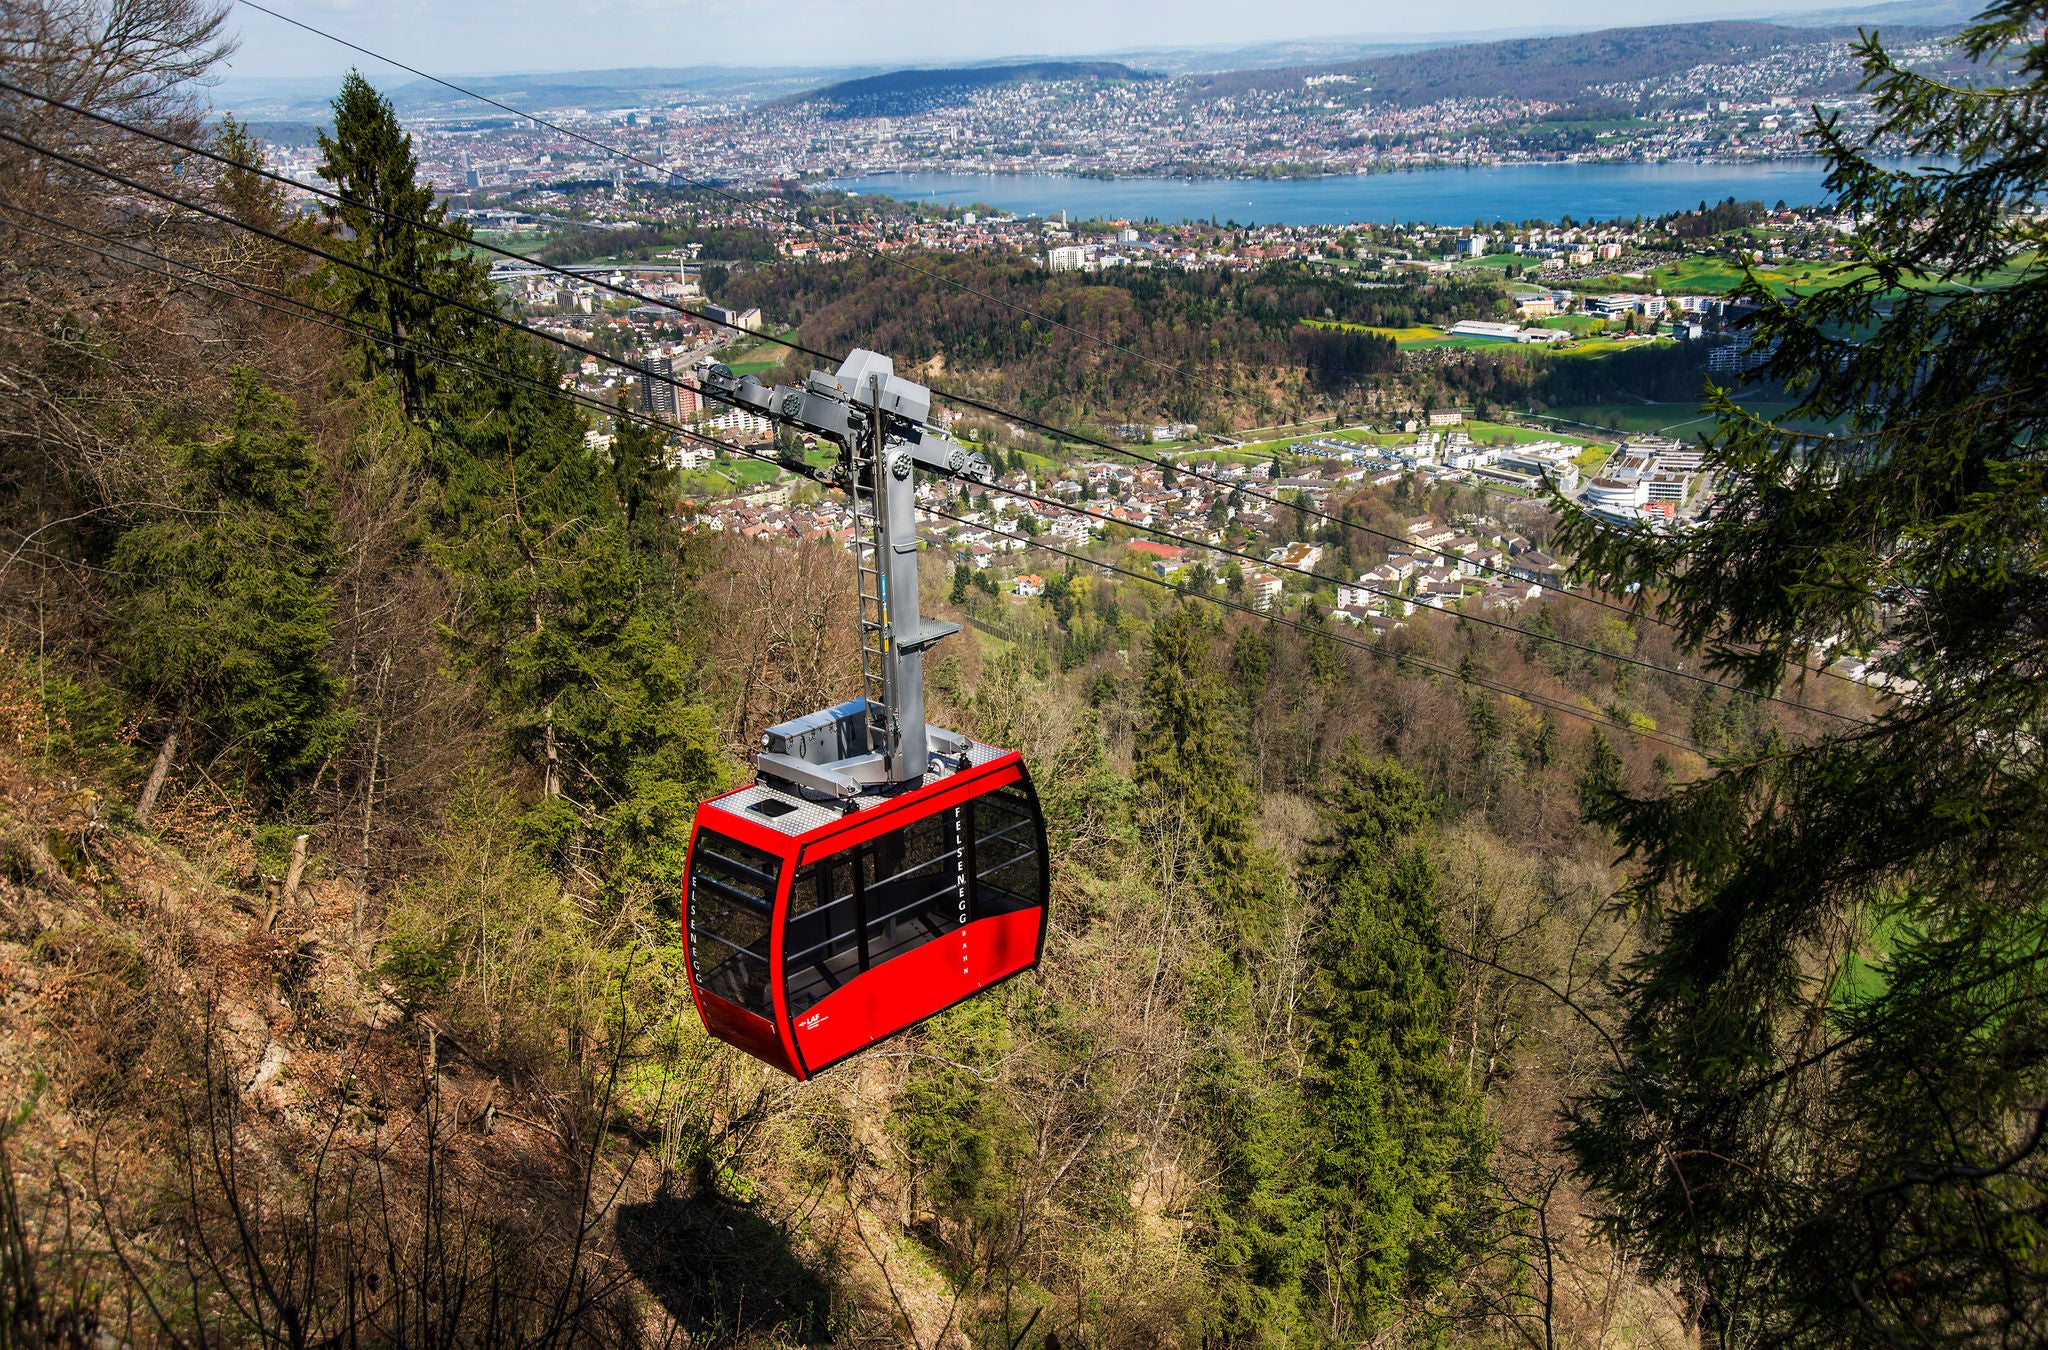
{"x":814,"y":933}
{"x":879,"y":869}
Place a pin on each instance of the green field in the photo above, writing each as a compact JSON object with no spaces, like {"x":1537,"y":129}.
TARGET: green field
{"x":1591,"y":349}
{"x":1634,"y":419}
{"x":727,"y":475}
{"x":1718,"y":276}
{"x":1407,"y":337}
{"x":1578,"y":325}
{"x":1682,"y":420}
{"x":1441,"y":341}
{"x":1484,"y":432}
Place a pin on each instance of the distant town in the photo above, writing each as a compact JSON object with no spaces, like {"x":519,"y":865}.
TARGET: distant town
{"x":632,"y":254}
{"x":1314,"y":124}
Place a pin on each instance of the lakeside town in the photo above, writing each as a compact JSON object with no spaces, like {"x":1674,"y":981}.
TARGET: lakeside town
{"x":1315,"y":125}
{"x":1229,"y":497}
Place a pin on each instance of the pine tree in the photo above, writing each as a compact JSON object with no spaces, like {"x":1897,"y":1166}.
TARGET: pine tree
{"x":222,"y":608}
{"x":1187,"y":755}
{"x":1820,"y":1150}
{"x":572,"y":619}
{"x":383,"y":220}
{"x":1403,"y":1144}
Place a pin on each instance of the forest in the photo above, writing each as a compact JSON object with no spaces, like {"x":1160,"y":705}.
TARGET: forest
{"x":1611,"y":977}
{"x":1213,"y":348}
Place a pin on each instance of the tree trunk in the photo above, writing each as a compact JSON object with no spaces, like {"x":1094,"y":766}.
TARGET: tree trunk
{"x":370,"y":793}
{"x":297,"y":870}
{"x":168,"y":751}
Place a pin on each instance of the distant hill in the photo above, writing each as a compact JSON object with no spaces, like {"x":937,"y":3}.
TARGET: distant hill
{"x":306,"y":99}
{"x":903,"y":92}
{"x":1555,"y":69}
{"x":1939,"y":13}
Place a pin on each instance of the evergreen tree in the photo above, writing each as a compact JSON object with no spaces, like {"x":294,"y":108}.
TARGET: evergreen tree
{"x":1825,"y":1150}
{"x":383,"y":220}
{"x":222,"y":608}
{"x":1403,"y":1143}
{"x":643,"y":487}
{"x":570,"y":625}
{"x":1187,"y":754}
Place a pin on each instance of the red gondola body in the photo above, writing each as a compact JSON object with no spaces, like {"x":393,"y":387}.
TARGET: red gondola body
{"x":813,"y":931}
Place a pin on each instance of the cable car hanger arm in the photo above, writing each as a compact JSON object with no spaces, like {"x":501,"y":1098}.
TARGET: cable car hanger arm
{"x":880,"y":421}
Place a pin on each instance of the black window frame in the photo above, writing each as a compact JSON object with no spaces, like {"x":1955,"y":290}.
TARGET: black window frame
{"x":971,"y":874}
{"x":721,"y":870}
{"x":1021,"y":803}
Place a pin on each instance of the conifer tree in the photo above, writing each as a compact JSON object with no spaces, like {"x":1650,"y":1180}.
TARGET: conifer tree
{"x":382,"y":219}
{"x":1827,"y":1122}
{"x":1187,"y":752}
{"x":1402,"y":1144}
{"x":222,"y":608}
{"x":571,"y":623}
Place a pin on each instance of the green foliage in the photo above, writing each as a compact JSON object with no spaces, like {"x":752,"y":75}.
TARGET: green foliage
{"x":964,"y":1147}
{"x":570,"y":625}
{"x":1402,"y":1165}
{"x":1348,"y":1197}
{"x":222,"y":602}
{"x":1187,"y":760}
{"x":1862,"y":1170}
{"x":383,"y":222}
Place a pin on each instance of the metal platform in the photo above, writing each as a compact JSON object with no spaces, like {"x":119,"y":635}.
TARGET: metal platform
{"x":809,"y":815}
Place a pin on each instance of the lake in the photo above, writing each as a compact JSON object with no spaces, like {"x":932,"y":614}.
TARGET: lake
{"x":1437,"y":196}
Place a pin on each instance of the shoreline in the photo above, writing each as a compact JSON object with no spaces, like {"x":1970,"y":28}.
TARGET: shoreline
{"x":1371,"y":171}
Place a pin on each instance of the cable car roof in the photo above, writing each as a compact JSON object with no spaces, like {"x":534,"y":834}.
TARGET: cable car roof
{"x":806,"y":816}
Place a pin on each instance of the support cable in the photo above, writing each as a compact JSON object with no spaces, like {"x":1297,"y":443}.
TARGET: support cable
{"x":307,"y":312}
{"x":898,"y":261}
{"x":791,"y":218}
{"x":1631,"y":611}
{"x":493,"y":316}
{"x":994,"y":409}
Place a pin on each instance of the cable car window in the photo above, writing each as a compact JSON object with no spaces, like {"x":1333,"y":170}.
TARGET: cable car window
{"x":1008,"y":873}
{"x":732,"y":903}
{"x":911,"y":884}
{"x":821,"y":947}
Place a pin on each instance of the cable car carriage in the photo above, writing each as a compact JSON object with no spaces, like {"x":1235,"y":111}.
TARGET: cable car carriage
{"x":879,"y":869}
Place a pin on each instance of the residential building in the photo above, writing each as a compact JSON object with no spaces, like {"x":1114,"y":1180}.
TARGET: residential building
{"x":1303,"y":556}
{"x":658,"y":388}
{"x":1538,"y":568}
{"x":1263,"y":588}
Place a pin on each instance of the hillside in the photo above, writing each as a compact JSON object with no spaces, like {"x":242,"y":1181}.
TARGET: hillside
{"x":1625,"y":955}
{"x":903,"y":92}
{"x":1553,"y":69}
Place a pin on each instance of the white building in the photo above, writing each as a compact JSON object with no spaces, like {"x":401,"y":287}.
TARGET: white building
{"x":1263,"y":588}
{"x":1616,"y":496}
{"x":737,"y":419}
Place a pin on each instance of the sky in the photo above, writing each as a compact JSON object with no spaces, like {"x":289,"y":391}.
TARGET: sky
{"x":493,"y":36}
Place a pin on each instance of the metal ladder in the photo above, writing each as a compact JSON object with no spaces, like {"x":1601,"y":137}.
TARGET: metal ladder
{"x":865,"y":481}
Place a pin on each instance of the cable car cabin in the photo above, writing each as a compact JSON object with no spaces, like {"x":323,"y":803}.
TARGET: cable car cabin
{"x":880,"y":869}
{"x":817,"y":928}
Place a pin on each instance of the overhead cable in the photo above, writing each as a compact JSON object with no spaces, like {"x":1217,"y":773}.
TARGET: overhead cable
{"x":308,"y":312}
{"x":1342,"y":523}
{"x":662,"y":302}
{"x":491,"y":315}
{"x":702,"y":185}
